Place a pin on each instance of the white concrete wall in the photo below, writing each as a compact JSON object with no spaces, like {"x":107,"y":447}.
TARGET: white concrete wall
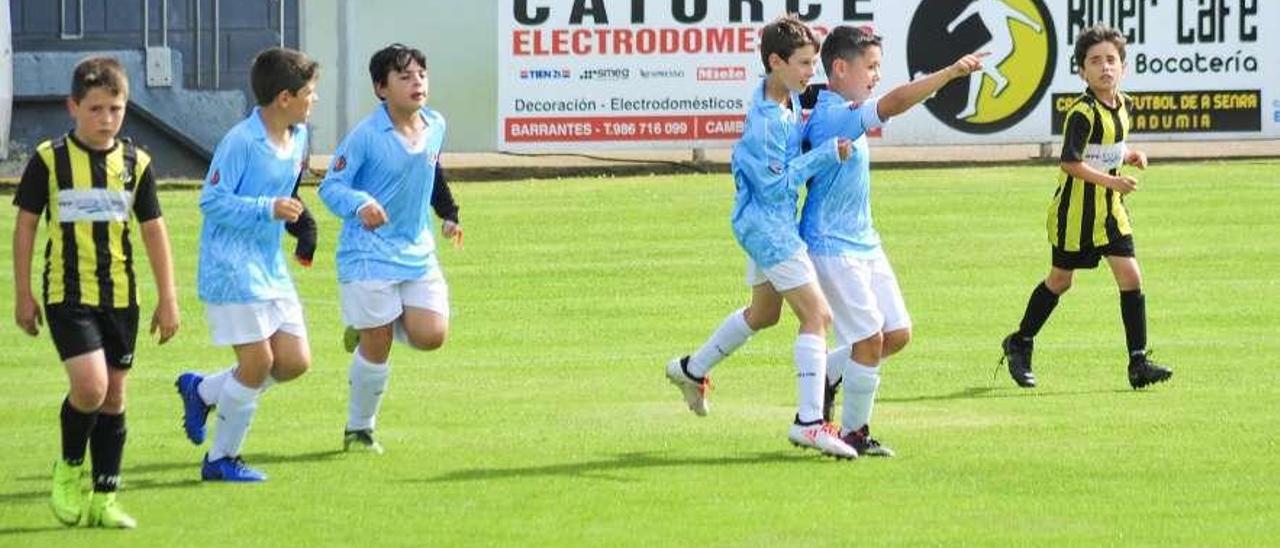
{"x":458,"y":37}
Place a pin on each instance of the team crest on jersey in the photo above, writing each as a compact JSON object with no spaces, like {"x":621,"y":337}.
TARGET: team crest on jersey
{"x":217,"y":176}
{"x":1019,"y":38}
{"x":340,"y":163}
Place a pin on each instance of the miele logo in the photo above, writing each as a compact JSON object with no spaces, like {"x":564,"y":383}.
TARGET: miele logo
{"x":722,"y":74}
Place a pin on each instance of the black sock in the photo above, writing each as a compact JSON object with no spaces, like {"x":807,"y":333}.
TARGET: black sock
{"x":1133,"y":310}
{"x":76,"y":427}
{"x":106,"y":450}
{"x":1039,"y":306}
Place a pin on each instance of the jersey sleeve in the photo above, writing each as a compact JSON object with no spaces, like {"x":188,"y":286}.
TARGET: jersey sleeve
{"x":337,"y":191}
{"x":146,"y":202}
{"x":219,"y":201}
{"x":1075,"y":132}
{"x":851,"y":121}
{"x":762,"y":161}
{"x":33,"y":190}
{"x":442,"y":198}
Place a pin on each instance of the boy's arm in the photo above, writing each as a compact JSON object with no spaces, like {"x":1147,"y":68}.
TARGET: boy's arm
{"x":908,"y":95}
{"x":26,"y":312}
{"x":337,"y":191}
{"x":1075,"y":130}
{"x":31,"y":198}
{"x":304,"y":229}
{"x":1123,"y":184}
{"x":446,"y":208}
{"x":166,"y":317}
{"x":218,"y":200}
{"x":155,"y":237}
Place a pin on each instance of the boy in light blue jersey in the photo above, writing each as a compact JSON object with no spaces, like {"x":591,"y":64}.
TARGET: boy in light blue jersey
{"x":384,"y":176}
{"x":768,"y":170}
{"x":250,"y":301}
{"x":870,"y":318}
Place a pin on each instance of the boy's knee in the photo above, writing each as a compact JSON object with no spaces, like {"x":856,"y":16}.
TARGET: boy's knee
{"x":113,"y":403}
{"x":895,"y":341}
{"x":1058,"y":285}
{"x":757,"y":320}
{"x":87,"y":396}
{"x":869,"y":351}
{"x":427,"y":341}
{"x":290,"y":370}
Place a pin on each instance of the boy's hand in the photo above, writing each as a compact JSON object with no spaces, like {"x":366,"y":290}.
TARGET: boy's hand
{"x":1136,"y":159}
{"x":844,"y":147}
{"x":1123,"y":184}
{"x":166,"y":320}
{"x":26,"y":312}
{"x":372,"y":215}
{"x":967,"y":65}
{"x":287,"y":209}
{"x":452,"y":231}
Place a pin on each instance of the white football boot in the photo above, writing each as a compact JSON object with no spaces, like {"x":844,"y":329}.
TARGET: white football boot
{"x":694,"y":391}
{"x":823,"y":437}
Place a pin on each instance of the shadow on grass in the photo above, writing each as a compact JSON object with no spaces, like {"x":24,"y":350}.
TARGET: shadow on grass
{"x":986,"y":392}
{"x":142,"y":484}
{"x":251,"y":459}
{"x":194,"y":465}
{"x":600,"y":469}
{"x":8,"y":531}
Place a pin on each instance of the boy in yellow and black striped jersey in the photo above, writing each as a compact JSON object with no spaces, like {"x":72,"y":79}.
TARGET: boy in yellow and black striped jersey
{"x":1087,"y":218}
{"x":86,"y":184}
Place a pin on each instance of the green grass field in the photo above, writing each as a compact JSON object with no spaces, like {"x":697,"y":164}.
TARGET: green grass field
{"x":546,"y":419}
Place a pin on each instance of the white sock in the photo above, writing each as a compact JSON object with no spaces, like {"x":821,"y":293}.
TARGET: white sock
{"x":210,"y":389}
{"x":730,"y":336}
{"x":860,"y":383}
{"x":235,"y":412}
{"x":835,"y":364}
{"x":811,"y":362}
{"x":367,"y":381}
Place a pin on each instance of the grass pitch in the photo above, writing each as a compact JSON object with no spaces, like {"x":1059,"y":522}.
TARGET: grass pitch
{"x":546,"y":419}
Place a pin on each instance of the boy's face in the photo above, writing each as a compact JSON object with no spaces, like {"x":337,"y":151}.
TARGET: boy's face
{"x":857,"y":77}
{"x":1102,"y":68}
{"x":795,"y":71}
{"x":98,"y":116}
{"x":298,"y":105}
{"x":406,"y":89}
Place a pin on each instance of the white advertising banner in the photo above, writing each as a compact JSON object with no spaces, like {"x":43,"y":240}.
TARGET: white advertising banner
{"x":609,"y":74}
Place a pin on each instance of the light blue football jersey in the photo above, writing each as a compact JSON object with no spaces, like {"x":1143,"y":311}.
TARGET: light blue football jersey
{"x":768,"y":169}
{"x":836,"y":219}
{"x":372,"y":163}
{"x":240,"y":256}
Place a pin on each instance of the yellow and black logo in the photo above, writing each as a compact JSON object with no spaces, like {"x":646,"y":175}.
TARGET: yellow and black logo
{"x":1018,"y":36}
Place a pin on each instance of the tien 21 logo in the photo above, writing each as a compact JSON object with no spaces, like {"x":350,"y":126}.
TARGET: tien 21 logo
{"x":1019,"y":37}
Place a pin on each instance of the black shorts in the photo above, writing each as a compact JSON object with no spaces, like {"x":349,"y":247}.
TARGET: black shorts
{"x":79,"y":329}
{"x":1089,"y":258}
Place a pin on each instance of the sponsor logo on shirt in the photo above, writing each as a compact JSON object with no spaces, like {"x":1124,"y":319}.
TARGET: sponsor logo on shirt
{"x":340,"y":163}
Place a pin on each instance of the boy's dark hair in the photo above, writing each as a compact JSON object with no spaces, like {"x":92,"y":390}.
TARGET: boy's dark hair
{"x":280,"y":69}
{"x":784,"y":36}
{"x":846,"y":42}
{"x":98,"y":72}
{"x":1093,"y":36}
{"x":395,"y":57}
